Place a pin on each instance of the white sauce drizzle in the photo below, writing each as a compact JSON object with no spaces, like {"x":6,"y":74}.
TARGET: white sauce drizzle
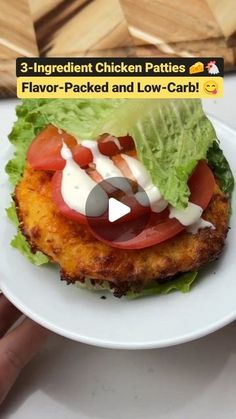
{"x":117,"y":142}
{"x":191,"y":218}
{"x":200,"y":224}
{"x":155,"y":200}
{"x":76,"y":186}
{"x":188,"y":215}
{"x":106,"y":167}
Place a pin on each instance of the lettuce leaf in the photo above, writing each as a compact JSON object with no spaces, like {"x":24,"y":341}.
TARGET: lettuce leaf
{"x":170,"y":137}
{"x":182,"y":283}
{"x":221,"y":168}
{"x":20,"y":243}
{"x":77,"y":117}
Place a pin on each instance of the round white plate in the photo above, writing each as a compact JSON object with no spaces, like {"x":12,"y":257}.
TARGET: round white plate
{"x":118,"y":323}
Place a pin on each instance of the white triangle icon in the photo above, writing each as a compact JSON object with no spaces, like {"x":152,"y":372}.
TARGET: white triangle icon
{"x":117,"y":210}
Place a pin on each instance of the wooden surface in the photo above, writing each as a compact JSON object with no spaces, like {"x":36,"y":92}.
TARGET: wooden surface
{"x":79,"y":25}
{"x":17,"y":36}
{"x":7,"y":78}
{"x":225,"y":13}
{"x":114,"y":28}
{"x":209,"y":48}
{"x":39,"y":8}
{"x":165,"y":21}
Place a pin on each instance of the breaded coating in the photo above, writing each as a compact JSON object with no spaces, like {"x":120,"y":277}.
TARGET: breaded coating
{"x":80,"y":255}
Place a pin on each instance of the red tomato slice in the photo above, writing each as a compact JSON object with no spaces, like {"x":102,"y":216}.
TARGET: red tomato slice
{"x":160,"y":227}
{"x":201,"y":184}
{"x":107,"y":144}
{"x":82,"y":155}
{"x":153,"y":234}
{"x":44,"y":152}
{"x":60,"y":203}
{"x":137,"y":209}
{"x":127,"y":143}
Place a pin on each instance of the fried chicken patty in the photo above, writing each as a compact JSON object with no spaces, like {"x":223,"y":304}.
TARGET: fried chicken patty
{"x":80,"y":255}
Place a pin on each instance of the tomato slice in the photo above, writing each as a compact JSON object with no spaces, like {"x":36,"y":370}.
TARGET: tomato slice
{"x":60,"y":203}
{"x":201,"y":183}
{"x":160,"y":227}
{"x":137,"y":209}
{"x":44,"y":152}
{"x":127,"y":143}
{"x":82,"y":155}
{"x":108,"y":146}
{"x":153,"y":234}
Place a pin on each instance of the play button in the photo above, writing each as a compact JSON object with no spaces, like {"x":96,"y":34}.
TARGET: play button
{"x":125,"y":216}
{"x":117,"y":210}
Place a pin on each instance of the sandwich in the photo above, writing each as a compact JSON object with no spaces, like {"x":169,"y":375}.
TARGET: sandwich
{"x":168,"y":148}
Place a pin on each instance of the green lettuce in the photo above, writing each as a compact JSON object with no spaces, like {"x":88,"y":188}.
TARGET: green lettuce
{"x":77,"y":117}
{"x":221,"y":168}
{"x":170,"y":137}
{"x":182,"y":283}
{"x":20,"y":243}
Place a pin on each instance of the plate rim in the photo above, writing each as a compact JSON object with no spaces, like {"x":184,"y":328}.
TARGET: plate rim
{"x":165,"y":343}
{"x":102,"y":343}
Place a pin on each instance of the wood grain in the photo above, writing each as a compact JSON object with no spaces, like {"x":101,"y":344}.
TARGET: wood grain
{"x":7,"y":78}
{"x":80,"y":25}
{"x":225,"y":13}
{"x":217,"y":47}
{"x":165,"y":21}
{"x":109,"y":28}
{"x":112,"y":52}
{"x":42,"y":7}
{"x":17,"y":36}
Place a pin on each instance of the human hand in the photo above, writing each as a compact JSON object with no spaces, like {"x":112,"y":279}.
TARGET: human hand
{"x":18,"y":347}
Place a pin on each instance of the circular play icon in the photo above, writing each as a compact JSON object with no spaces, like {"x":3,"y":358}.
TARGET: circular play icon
{"x":127,"y":210}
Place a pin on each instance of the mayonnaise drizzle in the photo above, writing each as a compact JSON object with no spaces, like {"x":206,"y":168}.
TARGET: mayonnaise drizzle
{"x":106,"y":168}
{"x":155,"y":200}
{"x":188,"y":215}
{"x":76,"y":186}
{"x":200,"y":224}
{"x":117,"y":143}
{"x":191,"y":218}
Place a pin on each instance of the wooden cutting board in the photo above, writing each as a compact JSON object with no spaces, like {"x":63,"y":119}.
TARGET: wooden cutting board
{"x":170,"y":21}
{"x":183,"y":28}
{"x":63,"y":28}
{"x":114,"y":28}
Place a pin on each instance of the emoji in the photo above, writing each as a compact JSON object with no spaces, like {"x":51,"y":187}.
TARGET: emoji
{"x":210,"y":87}
{"x":212,"y":68}
{"x":198,"y":67}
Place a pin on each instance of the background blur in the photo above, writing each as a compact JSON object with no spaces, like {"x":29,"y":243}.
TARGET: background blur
{"x":114,"y":28}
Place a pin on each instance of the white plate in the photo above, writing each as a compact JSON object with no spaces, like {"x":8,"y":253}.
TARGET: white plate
{"x":117,"y":323}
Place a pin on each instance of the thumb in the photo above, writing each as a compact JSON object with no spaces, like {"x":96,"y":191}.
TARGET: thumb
{"x":16,"y":350}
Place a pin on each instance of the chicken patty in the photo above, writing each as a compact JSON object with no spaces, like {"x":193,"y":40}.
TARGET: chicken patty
{"x":80,"y":255}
